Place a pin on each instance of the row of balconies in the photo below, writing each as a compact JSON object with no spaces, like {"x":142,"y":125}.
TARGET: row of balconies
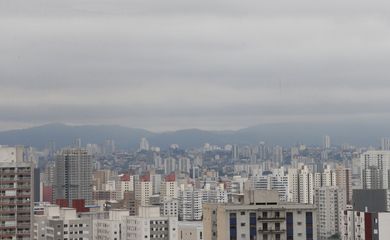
{"x":13,"y":187}
{"x":18,"y":203}
{"x":15,"y":178}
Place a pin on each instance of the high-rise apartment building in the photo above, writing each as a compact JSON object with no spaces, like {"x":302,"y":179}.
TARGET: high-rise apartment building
{"x":344,"y":181}
{"x":149,"y":224}
{"x":73,"y":179}
{"x":277,"y":155}
{"x":235,"y":152}
{"x":263,"y":151}
{"x":330,"y":202}
{"x":375,"y":166}
{"x":326,"y":142}
{"x":169,"y":165}
{"x":144,"y":145}
{"x":169,"y":187}
{"x":385,"y":144}
{"x":16,"y":194}
{"x":190,"y":204}
{"x":302,"y":182}
{"x":277,"y":181}
{"x":184,"y":165}
{"x":143,"y":190}
{"x":301,"y":185}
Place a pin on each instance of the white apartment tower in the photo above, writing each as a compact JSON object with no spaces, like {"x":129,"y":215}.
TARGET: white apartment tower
{"x":385,"y":144}
{"x":330,"y":202}
{"x":277,"y":155}
{"x":143,"y":190}
{"x":375,"y":166}
{"x":326,"y":142}
{"x":144,"y":145}
{"x":301,"y":185}
{"x":149,"y":224}
{"x":169,"y":187}
{"x":190,"y":204}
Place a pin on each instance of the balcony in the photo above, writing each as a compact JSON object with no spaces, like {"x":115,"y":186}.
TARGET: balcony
{"x":8,"y":173}
{"x":271,"y":219}
{"x":271,"y":230}
{"x":6,"y":235}
{"x":24,"y":225}
{"x":7,"y":180}
{"x":23,"y":218}
{"x":3,"y":227}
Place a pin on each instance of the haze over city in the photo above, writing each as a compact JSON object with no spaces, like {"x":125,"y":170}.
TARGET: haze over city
{"x":168,"y":65}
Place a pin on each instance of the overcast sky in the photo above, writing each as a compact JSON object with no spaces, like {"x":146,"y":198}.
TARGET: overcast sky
{"x":210,"y":64}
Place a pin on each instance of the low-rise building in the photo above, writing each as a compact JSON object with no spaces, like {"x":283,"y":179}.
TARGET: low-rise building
{"x":54,"y":223}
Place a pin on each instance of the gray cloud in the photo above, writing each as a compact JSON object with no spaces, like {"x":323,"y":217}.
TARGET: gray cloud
{"x":174,"y":64}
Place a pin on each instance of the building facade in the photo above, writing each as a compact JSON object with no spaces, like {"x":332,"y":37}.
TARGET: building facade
{"x":73,"y":178}
{"x":16,"y":194}
{"x":259,"y":215}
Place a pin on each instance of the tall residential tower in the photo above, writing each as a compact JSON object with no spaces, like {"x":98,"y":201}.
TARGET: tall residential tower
{"x":73,"y":179}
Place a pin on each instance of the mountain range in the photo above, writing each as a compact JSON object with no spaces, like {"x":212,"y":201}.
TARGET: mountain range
{"x":285,"y":134}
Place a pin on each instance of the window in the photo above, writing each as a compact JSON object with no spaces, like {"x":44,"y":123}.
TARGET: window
{"x":277,"y":226}
{"x":265,"y":226}
{"x":289,"y":224}
{"x":242,"y":213}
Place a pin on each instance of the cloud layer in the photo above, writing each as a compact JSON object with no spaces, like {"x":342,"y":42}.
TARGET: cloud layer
{"x":174,"y":64}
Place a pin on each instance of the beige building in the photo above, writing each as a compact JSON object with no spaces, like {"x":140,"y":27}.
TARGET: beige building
{"x":259,"y":215}
{"x":190,"y":230}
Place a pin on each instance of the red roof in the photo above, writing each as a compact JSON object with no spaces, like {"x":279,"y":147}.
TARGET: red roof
{"x":125,"y":177}
{"x":170,"y":178}
{"x":145,"y":178}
